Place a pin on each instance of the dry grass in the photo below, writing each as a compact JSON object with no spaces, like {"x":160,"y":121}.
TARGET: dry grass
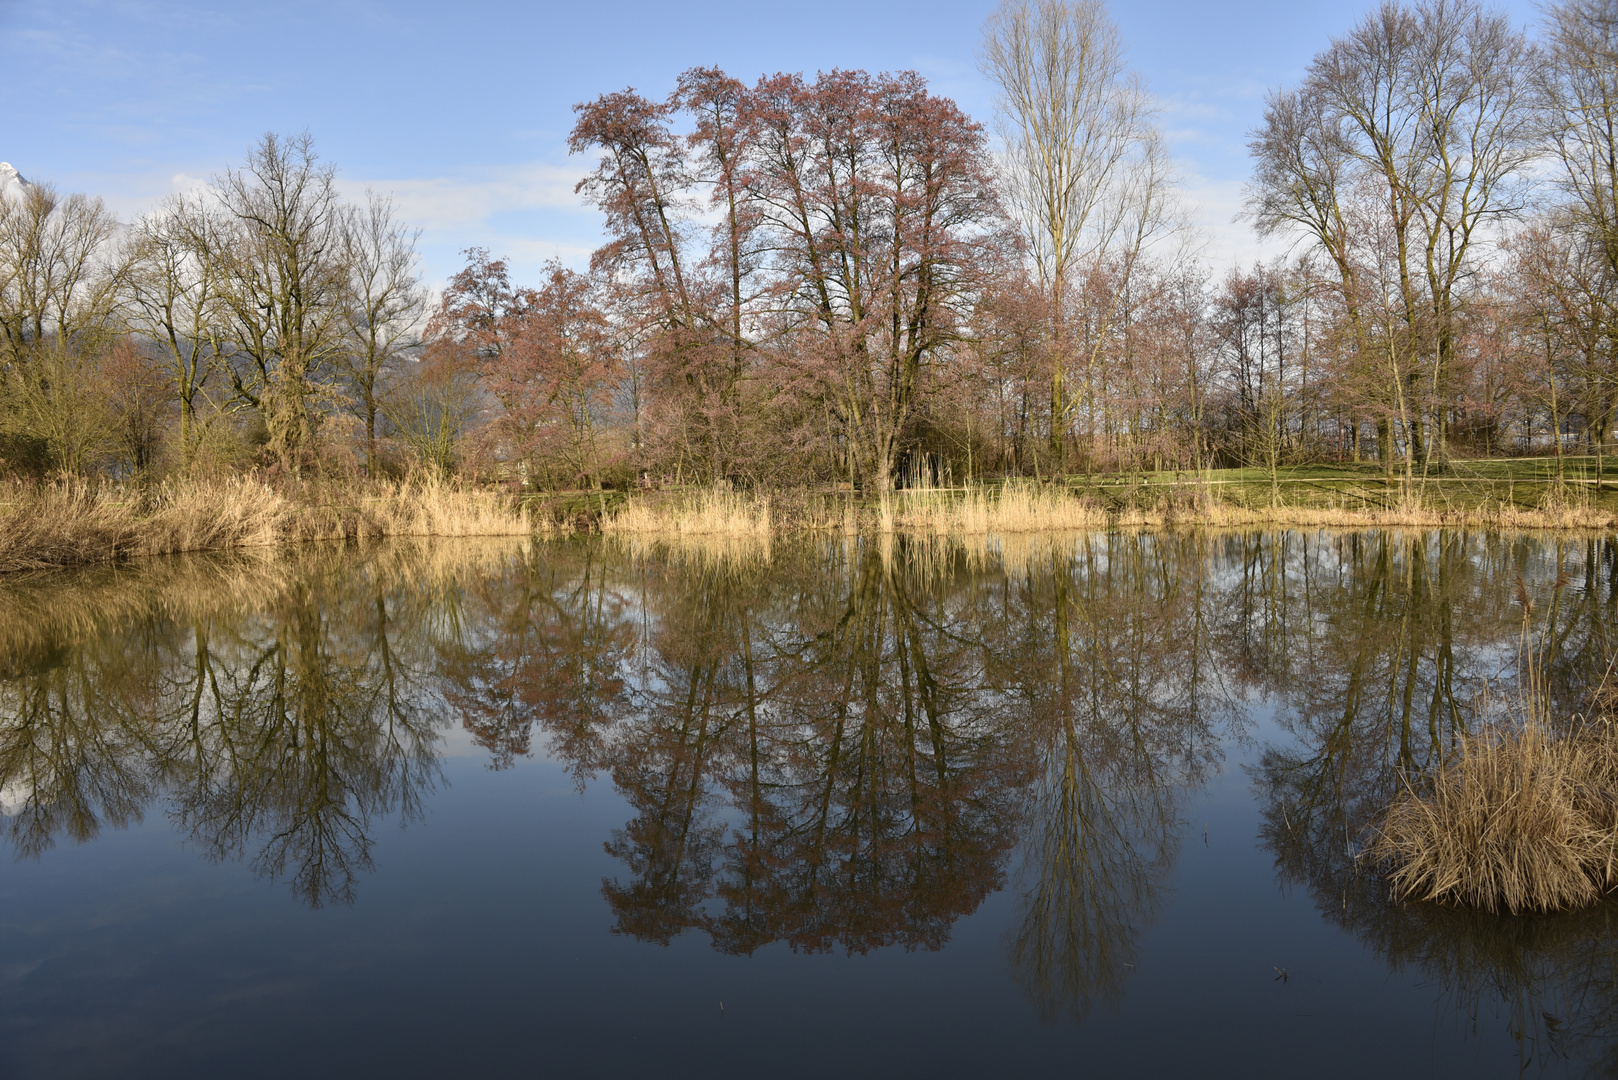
{"x":71,"y":523}
{"x":1493,"y":517}
{"x":435,"y":508}
{"x":1018,"y":508}
{"x":706,"y":513}
{"x":1519,"y":819}
{"x":1014,"y":508}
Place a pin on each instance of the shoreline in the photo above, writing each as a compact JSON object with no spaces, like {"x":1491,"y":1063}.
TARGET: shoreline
{"x":68,"y":524}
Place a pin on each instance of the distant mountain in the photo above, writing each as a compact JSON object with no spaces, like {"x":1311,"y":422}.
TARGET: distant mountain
{"x":11,"y":181}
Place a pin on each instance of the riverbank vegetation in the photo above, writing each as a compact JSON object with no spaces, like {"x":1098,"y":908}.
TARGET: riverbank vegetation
{"x":1520,"y":819}
{"x":71,"y":523}
{"x":1520,"y":814}
{"x":843,"y":284}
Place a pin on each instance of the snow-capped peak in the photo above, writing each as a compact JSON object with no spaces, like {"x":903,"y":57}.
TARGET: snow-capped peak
{"x":11,"y":181}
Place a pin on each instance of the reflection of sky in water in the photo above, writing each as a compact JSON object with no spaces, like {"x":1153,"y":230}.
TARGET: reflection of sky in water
{"x":14,"y":796}
{"x":479,"y":939}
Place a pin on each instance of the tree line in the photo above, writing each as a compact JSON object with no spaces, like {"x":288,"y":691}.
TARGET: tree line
{"x":845,"y":280}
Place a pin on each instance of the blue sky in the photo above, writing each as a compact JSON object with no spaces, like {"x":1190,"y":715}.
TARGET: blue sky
{"x":461,"y":111}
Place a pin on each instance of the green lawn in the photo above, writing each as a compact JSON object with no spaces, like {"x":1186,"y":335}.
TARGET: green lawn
{"x":1459,"y":484}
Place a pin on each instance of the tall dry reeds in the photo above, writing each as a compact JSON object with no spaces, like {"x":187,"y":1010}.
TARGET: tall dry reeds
{"x":71,"y":523}
{"x":1017,"y":508}
{"x":1494,"y":517}
{"x":437,"y":508}
{"x":705,"y":513}
{"x":1519,"y":818}
{"x":1014,"y":508}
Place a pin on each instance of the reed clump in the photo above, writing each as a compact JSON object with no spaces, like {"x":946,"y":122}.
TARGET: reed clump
{"x":73,"y":523}
{"x":1014,"y":508}
{"x":713,"y":512}
{"x":1519,"y":818}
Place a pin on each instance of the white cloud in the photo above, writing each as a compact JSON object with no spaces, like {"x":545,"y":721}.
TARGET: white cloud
{"x":472,"y":198}
{"x":1212,"y":206}
{"x":525,"y":213}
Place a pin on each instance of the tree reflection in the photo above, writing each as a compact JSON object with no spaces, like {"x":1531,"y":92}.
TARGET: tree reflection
{"x":1111,"y":659}
{"x":1413,"y":647}
{"x":278,"y":733}
{"x":814,"y":751}
{"x":539,"y":641}
{"x":843,"y":745}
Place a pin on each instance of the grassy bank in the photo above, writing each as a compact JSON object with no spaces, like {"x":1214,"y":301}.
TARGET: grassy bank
{"x":43,"y":526}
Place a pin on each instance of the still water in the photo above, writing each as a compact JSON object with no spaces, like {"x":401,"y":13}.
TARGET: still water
{"x":1080,"y":806}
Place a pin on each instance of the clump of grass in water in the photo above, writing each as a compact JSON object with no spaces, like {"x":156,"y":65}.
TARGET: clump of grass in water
{"x":1013,"y":508}
{"x":1521,"y":817}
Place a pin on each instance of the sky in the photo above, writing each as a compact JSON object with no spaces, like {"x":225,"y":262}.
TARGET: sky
{"x":460,"y":111}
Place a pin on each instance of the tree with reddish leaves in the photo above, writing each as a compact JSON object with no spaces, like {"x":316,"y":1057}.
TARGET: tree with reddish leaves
{"x":480,"y":309}
{"x":882,"y":204}
{"x":554,"y":377}
{"x":857,"y":219}
{"x":642,"y":184}
{"x":638,"y":184}
{"x":731,"y":289}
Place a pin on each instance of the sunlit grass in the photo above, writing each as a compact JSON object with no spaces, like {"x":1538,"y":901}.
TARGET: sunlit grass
{"x":72,"y":523}
{"x":699,"y":513}
{"x":1519,"y":819}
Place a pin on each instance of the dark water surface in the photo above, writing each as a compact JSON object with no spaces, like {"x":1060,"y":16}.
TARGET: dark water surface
{"x":1056,"y":807}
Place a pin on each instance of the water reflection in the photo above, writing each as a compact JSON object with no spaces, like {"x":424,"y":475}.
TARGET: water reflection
{"x":1418,"y":641}
{"x":836,"y":745}
{"x":274,"y":711}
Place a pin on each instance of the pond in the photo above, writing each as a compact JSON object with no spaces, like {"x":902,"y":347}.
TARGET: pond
{"x":878,"y":806}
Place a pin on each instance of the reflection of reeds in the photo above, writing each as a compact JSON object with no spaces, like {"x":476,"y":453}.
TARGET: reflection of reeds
{"x":71,"y":524}
{"x":41,"y":610}
{"x":39,"y":613}
{"x":1555,"y":978}
{"x":730,"y":552}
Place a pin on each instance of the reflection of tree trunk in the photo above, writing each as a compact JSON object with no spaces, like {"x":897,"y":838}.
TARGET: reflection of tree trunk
{"x":755,"y":796}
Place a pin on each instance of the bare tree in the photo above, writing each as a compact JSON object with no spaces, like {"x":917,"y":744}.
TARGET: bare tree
{"x":60,"y":272}
{"x":1579,"y":82}
{"x":283,"y":284}
{"x":385,"y":305}
{"x":173,"y":300}
{"x":1082,"y":158}
{"x":1406,"y":145}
